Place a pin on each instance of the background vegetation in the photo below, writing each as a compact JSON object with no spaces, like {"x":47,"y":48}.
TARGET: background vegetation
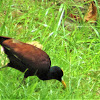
{"x":72,"y":45}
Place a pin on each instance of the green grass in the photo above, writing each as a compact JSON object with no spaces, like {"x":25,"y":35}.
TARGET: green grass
{"x":73,"y":46}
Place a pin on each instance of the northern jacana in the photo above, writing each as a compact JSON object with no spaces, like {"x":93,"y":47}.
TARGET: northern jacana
{"x":30,"y":60}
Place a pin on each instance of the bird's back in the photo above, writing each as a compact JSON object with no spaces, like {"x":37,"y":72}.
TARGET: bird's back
{"x":23,"y":56}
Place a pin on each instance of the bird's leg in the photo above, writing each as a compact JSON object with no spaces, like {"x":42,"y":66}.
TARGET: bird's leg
{"x":22,"y":82}
{"x":3,"y":67}
{"x":25,"y":76}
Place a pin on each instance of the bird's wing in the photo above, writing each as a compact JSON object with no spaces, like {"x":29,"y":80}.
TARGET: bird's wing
{"x":28,"y":54}
{"x":15,"y":62}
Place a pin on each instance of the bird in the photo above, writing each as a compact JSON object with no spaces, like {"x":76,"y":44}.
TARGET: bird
{"x":30,"y":60}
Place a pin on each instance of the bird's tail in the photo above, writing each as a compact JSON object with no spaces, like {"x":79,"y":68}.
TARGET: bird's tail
{"x":2,"y":38}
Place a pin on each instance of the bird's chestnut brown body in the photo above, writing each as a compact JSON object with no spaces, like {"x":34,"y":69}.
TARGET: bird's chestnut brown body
{"x":29,"y":59}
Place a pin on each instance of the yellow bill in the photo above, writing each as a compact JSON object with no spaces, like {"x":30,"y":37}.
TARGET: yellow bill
{"x":64,"y":84}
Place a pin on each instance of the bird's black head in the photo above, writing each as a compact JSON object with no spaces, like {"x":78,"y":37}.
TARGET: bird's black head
{"x":56,"y":73}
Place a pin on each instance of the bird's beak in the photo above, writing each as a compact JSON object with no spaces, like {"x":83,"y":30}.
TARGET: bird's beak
{"x":64,"y":84}
{"x":62,"y":81}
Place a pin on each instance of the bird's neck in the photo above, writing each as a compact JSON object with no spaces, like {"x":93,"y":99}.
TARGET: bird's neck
{"x":47,"y":76}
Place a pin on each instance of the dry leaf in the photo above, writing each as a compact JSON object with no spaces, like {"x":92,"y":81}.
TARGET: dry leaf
{"x":75,"y":17}
{"x":16,"y":13}
{"x":36,"y":43}
{"x":1,"y":49}
{"x":91,"y":15}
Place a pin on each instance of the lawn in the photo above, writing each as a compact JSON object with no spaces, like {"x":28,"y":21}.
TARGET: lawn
{"x":72,"y":45}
